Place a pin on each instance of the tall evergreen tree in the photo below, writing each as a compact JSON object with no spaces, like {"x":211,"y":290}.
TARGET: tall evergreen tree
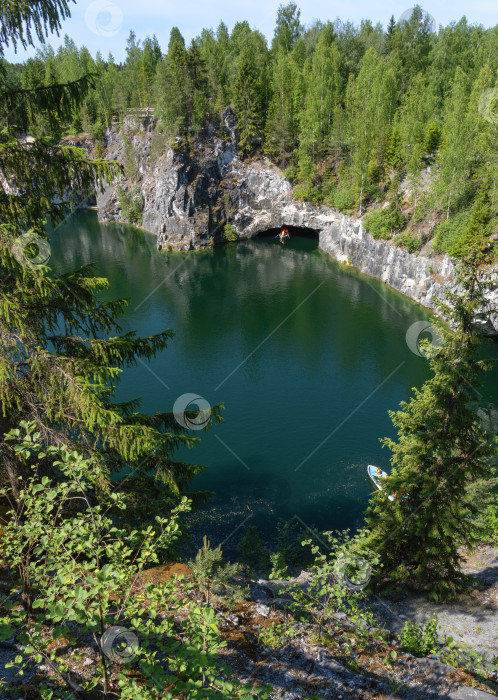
{"x":60,"y":360}
{"x":172,"y":85}
{"x":442,"y":457}
{"x":246,"y":98}
{"x":481,"y":221}
{"x":281,"y":122}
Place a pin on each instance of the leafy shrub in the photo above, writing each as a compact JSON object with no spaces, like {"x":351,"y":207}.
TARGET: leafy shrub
{"x":229,"y":234}
{"x":381,"y":223}
{"x":131,"y":204}
{"x":279,"y":569}
{"x":291,"y":174}
{"x":461,"y":655}
{"x":420,"y":640}
{"x":96,"y":130}
{"x":158,"y":146}
{"x":411,"y":242}
{"x":449,"y":232}
{"x":211,"y":573}
{"x":79,"y":576}
{"x":130,"y":158}
{"x":341,"y":199}
{"x":329,"y":588}
{"x":275,"y":635}
{"x":306,"y":192}
{"x":288,"y":543}
{"x":377,"y":224}
{"x":252,"y":551}
{"x":491,"y":521}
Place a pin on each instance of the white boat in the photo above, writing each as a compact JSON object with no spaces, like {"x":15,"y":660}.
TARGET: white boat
{"x":373,"y":473}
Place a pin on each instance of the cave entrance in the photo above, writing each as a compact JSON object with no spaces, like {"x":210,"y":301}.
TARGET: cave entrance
{"x":294,"y":232}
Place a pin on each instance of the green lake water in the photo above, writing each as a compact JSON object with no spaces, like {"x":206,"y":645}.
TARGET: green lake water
{"x":308,"y":357}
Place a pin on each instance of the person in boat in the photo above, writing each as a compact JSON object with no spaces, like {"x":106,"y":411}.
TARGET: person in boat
{"x":378,"y":473}
{"x":283,"y":234}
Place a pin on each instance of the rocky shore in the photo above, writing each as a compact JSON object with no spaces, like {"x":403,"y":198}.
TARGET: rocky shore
{"x":188,"y":195}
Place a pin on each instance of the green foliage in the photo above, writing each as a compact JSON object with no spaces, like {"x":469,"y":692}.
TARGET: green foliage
{"x":481,"y":222}
{"x":246,"y":93}
{"x":461,"y":655}
{"x":356,"y":101}
{"x":442,"y":458}
{"x":468,"y":229}
{"x":211,"y":574}
{"x":57,"y":328}
{"x":420,"y":640}
{"x":275,"y":635}
{"x":288,"y":27}
{"x":229,"y":234}
{"x":130,"y":158}
{"x":335,"y":582}
{"x":377,"y":223}
{"x":409,"y":241}
{"x":131,"y":204}
{"x":279,"y":569}
{"x":449,"y":232}
{"x":491,"y":522}
{"x":79,"y":575}
{"x":291,"y":174}
{"x":252,"y":551}
{"x":288,"y":543}
{"x":342,"y":199}
{"x":433,"y":138}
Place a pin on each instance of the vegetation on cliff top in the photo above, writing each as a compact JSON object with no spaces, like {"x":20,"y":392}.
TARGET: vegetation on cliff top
{"x":355,"y":115}
{"x":75,"y":559}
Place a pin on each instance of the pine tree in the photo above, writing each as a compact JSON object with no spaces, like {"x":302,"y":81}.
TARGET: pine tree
{"x":479,"y":227}
{"x":442,"y":457}
{"x":172,"y":86}
{"x":61,"y":352}
{"x":281,"y":122}
{"x":388,"y":40}
{"x":245,"y":98}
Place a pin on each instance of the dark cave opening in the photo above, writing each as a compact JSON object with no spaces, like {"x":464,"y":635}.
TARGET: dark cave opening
{"x":299,"y":231}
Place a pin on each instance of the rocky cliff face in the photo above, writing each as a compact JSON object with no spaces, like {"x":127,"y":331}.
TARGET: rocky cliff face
{"x":189,"y":196}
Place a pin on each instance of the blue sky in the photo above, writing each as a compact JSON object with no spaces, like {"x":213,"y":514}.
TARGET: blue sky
{"x":104,"y":25}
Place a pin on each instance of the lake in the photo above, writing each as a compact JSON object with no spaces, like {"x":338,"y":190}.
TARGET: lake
{"x":307,"y":356}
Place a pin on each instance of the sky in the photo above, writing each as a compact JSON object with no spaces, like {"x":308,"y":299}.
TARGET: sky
{"x":104,"y":25}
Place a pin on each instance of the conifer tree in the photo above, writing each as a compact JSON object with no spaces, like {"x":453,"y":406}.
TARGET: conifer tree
{"x":281,"y":122}
{"x":246,"y":98}
{"x":60,"y":349}
{"x":442,"y":457}
{"x":172,"y":85}
{"x":479,"y":227}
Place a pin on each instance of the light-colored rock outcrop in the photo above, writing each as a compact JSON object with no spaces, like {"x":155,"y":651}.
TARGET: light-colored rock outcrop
{"x":189,"y":196}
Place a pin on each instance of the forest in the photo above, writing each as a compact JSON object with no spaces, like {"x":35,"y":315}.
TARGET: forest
{"x":399,"y":124}
{"x":98,"y":598}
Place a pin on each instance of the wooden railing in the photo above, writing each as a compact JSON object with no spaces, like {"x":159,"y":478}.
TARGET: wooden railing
{"x":139,"y":112}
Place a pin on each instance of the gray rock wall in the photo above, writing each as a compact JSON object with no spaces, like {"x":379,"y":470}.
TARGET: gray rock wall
{"x":189,"y":196}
